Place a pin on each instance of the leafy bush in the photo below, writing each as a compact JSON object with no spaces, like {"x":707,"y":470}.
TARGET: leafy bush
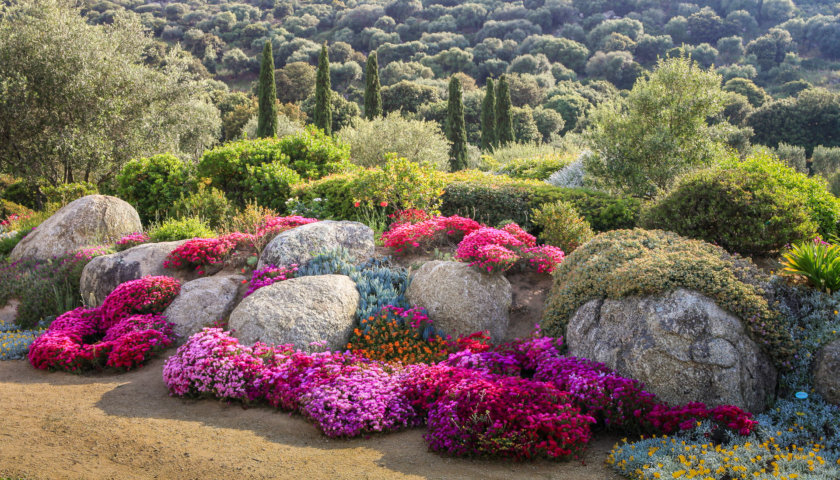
{"x":207,"y":203}
{"x":562,"y":226}
{"x":492,"y":201}
{"x":153,"y":184}
{"x":61,"y":195}
{"x":417,"y":140}
{"x":401,"y":185}
{"x":747,"y":212}
{"x":510,"y":152}
{"x":536,"y":168}
{"x":624,"y":263}
{"x":181,"y":229}
{"x":824,"y":208}
{"x":314,"y":154}
{"x":825,"y":160}
{"x":793,"y":156}
{"x":12,"y":209}
{"x":26,"y":193}
{"x":270,"y":184}
{"x":817,"y":262}
{"x":336,"y":190}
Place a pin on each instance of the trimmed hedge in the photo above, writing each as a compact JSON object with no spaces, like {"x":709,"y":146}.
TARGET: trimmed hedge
{"x":625,"y":263}
{"x":514,"y":200}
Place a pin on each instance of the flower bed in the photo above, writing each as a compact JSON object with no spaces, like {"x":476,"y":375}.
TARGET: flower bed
{"x":519,"y":400}
{"x":121,"y":334}
{"x":14,"y":342}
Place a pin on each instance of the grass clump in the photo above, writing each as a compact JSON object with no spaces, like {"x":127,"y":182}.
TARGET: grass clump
{"x":625,"y":263}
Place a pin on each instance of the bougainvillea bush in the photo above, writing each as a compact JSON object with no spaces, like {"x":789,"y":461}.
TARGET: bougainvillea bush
{"x":121,"y":334}
{"x":519,"y":400}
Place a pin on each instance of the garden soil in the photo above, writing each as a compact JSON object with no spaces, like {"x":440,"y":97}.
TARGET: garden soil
{"x":126,"y":426}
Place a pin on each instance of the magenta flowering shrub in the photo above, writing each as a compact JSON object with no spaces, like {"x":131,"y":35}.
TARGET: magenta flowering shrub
{"x":405,"y":235}
{"x":144,"y":295}
{"x":524,"y":237}
{"x":543,"y":258}
{"x":200,"y":253}
{"x":490,"y":249}
{"x":268,"y":275}
{"x":509,"y":417}
{"x":132,"y":240}
{"x":122,"y":334}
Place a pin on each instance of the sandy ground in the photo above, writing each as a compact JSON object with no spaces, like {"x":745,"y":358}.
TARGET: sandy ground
{"x":125,"y":426}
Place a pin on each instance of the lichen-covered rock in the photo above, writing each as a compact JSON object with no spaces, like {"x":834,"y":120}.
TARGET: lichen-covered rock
{"x":300,"y":244}
{"x":680,"y":344}
{"x":827,"y":372}
{"x":103,"y":274}
{"x":202,"y":302}
{"x":301,"y":310}
{"x":88,"y":221}
{"x":461,"y":300}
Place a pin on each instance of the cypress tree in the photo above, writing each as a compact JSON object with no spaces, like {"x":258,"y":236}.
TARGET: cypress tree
{"x":504,"y":118}
{"x":267,"y":119}
{"x":323,"y":108}
{"x":456,"y":129}
{"x":373,"y":97}
{"x":488,"y":118}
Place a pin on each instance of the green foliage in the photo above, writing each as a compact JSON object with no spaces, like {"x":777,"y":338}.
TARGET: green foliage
{"x":810,"y":119}
{"x":267,"y":91}
{"x":270,"y":184}
{"x":417,"y":140}
{"x":535,"y":168}
{"x":61,"y":195}
{"x":642,"y":144}
{"x":626,"y":263}
{"x":825,"y":160}
{"x":323,"y":107}
{"x":153,"y":184}
{"x":488,"y":117}
{"x":335,"y":191}
{"x":373,"y":94}
{"x":26,"y":193}
{"x":455,"y":128}
{"x":793,"y":156}
{"x":562,"y":226}
{"x":401,"y":185}
{"x":8,"y":208}
{"x":504,"y":116}
{"x":492,"y":200}
{"x":181,"y":229}
{"x":815,"y":261}
{"x":822,"y":206}
{"x":78,"y":100}
{"x":207,"y":203}
{"x":744,"y":212}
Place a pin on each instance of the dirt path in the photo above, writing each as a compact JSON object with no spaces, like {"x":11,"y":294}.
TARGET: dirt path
{"x":57,"y":426}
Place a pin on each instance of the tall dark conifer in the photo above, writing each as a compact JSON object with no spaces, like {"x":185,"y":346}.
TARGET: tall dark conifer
{"x":323,"y":107}
{"x":373,"y":97}
{"x":504,"y":116}
{"x":267,"y":119}
{"x":456,"y":129}
{"x":488,"y":118}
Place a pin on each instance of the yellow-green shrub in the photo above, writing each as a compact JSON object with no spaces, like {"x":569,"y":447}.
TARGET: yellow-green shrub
{"x":562,"y":226}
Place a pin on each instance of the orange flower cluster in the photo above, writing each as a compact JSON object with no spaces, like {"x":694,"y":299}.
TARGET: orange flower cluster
{"x":389,"y":340}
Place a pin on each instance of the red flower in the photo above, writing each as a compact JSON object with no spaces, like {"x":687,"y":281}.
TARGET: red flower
{"x":356,"y":204}
{"x":383,"y":204}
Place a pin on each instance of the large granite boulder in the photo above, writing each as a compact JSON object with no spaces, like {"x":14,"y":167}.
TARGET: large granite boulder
{"x":461,"y":300}
{"x":300,"y":311}
{"x":682,"y":345}
{"x":103,"y":274}
{"x":202,"y":302}
{"x":826,"y":372}
{"x":88,"y":221}
{"x":300,"y":244}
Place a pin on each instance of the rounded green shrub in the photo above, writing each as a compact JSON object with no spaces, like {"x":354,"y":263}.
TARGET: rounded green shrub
{"x":153,"y":184}
{"x":562,"y":226}
{"x":65,"y":193}
{"x":181,"y":229}
{"x":314,"y":154}
{"x":227,"y":165}
{"x":625,"y":263}
{"x":26,"y":193}
{"x":823,"y":207}
{"x":206,"y":203}
{"x":744,"y":211}
{"x":270,"y":185}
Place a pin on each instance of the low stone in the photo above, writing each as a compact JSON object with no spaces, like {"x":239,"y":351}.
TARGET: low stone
{"x":299,"y":311}
{"x":202,"y":302}
{"x":460,"y":300}
{"x":300,"y":244}
{"x":103,"y":274}
{"x":826,"y":372}
{"x":681,"y":345}
{"x":85,"y":222}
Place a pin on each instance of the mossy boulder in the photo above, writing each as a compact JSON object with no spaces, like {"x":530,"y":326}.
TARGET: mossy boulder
{"x":643,"y":263}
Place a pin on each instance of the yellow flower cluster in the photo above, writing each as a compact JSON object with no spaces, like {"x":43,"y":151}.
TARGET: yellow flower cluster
{"x":669,"y":458}
{"x":15,"y":344}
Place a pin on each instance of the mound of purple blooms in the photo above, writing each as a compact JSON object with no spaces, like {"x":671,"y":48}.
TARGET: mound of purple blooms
{"x":518,"y":400}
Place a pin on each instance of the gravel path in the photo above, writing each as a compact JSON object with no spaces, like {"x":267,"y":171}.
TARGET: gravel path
{"x":109,"y":426}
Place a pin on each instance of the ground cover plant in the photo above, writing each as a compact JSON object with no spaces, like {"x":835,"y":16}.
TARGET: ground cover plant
{"x":122,"y":333}
{"x":15,"y":342}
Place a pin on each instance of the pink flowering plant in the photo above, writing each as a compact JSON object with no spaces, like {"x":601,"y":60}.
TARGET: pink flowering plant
{"x":122,"y":334}
{"x":268,"y":275}
{"x":131,"y":240}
